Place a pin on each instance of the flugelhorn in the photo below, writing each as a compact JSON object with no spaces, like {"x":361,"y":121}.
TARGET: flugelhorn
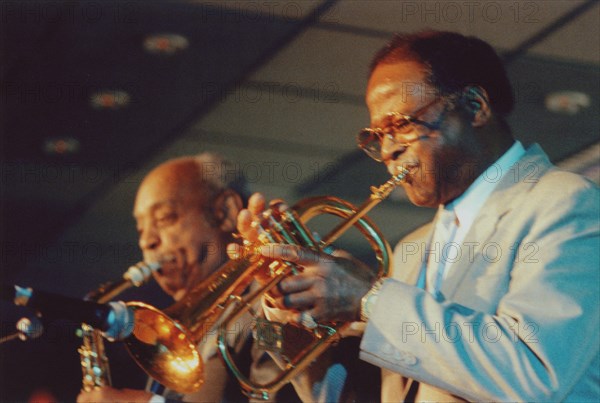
{"x":289,"y":226}
{"x":164,"y":343}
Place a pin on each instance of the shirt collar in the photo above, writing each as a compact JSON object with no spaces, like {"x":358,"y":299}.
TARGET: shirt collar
{"x":467,"y":205}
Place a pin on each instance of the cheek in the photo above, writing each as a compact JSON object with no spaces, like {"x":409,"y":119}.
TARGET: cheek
{"x":424,"y":188}
{"x":171,"y":238}
{"x":199,"y":239}
{"x":428,"y":171}
{"x":423,"y":194}
{"x":183,"y":238}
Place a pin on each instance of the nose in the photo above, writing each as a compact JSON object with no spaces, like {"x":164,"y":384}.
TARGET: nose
{"x":390,"y":149}
{"x":149,"y":239}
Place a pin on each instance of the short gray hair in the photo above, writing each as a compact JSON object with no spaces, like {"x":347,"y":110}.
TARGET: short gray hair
{"x":220,"y":174}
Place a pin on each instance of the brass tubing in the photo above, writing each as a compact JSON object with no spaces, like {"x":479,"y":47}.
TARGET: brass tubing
{"x":324,"y":335}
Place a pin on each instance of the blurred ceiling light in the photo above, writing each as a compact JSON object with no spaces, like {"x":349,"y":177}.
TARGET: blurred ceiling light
{"x":110,"y":99}
{"x":165,"y":44}
{"x":61,"y":146}
{"x":567,"y":102}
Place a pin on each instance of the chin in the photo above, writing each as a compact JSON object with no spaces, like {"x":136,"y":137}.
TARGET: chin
{"x":421,"y":200}
{"x":170,"y":288}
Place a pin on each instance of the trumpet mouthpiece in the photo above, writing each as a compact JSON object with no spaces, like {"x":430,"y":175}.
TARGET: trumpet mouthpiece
{"x":141,"y":272}
{"x":400,"y":176}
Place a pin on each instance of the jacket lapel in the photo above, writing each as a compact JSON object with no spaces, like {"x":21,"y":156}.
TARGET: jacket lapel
{"x":511,"y":188}
{"x":410,"y":255}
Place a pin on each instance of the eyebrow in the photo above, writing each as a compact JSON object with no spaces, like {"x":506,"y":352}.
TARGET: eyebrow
{"x":157,"y":205}
{"x":392,"y":116}
{"x":388,"y":120}
{"x":413,"y":116}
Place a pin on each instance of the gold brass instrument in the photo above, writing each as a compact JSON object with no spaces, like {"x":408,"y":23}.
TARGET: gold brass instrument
{"x":166,"y":348}
{"x":94,"y":362}
{"x":289,"y":226}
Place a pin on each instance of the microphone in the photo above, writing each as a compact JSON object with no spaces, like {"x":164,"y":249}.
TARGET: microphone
{"x":27,"y":328}
{"x":114,"y":319}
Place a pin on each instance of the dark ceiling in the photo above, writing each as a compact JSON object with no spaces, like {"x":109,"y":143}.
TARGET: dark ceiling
{"x":57,"y":55}
{"x":88,"y":106}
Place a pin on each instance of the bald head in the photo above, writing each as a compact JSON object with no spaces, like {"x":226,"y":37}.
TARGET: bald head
{"x":185,"y":215}
{"x":178,"y":180}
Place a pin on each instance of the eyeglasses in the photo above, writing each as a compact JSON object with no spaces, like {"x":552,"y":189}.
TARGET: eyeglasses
{"x":402,"y":129}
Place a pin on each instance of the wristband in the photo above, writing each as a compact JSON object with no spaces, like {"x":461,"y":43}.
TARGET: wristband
{"x":157,"y":399}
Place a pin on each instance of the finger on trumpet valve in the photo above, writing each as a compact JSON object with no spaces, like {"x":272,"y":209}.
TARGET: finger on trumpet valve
{"x":278,"y":204}
{"x":305,"y":319}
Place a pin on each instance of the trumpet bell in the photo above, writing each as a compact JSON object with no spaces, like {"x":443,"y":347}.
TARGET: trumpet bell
{"x":165,"y":349}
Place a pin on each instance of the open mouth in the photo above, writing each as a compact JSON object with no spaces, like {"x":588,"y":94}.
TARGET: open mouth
{"x":165,"y":261}
{"x":167,"y":258}
{"x":409,"y":168}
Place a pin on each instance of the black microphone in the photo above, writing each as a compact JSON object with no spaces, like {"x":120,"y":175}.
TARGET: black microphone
{"x":114,"y":319}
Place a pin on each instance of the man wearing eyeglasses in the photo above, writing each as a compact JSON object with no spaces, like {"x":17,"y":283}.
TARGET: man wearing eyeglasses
{"x":497,"y":298}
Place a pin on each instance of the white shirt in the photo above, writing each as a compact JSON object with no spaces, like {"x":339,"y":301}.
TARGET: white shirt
{"x":467,"y":205}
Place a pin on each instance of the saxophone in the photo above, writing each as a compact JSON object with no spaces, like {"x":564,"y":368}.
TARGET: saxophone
{"x":94,"y":362}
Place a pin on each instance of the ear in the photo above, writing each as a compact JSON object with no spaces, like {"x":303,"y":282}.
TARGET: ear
{"x":477,"y":104}
{"x":226,"y":208}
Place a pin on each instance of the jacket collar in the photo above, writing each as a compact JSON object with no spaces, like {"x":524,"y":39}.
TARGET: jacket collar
{"x":506,"y":196}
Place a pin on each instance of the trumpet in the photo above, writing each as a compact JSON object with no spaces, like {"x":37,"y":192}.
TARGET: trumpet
{"x":290,"y":227}
{"x":166,"y":348}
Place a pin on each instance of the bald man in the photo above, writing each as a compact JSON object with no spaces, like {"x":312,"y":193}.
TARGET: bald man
{"x":186,"y":211}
